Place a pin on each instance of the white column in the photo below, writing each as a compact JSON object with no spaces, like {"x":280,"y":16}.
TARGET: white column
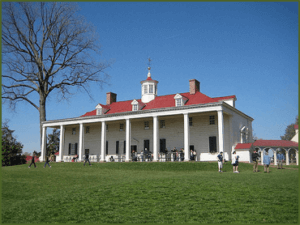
{"x":155,"y":138}
{"x":61,"y":143}
{"x":186,"y":137}
{"x":287,"y":158}
{"x":221,"y":130}
{"x":103,"y":141}
{"x":262,"y":157}
{"x":128,"y":138}
{"x":44,"y":143}
{"x":275,"y":158}
{"x":81,"y":142}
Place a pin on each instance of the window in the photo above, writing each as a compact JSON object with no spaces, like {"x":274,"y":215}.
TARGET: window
{"x":162,"y":124}
{"x":121,"y":126}
{"x":191,"y":121}
{"x":151,"y":88}
{"x":87,"y":130}
{"x":213,"y":144}
{"x":146,"y":123}
{"x":135,"y":108}
{"x":99,"y":111}
{"x":211,"y":120}
{"x":72,"y":149}
{"x":178,"y":102}
{"x":73,"y":131}
{"x":162,"y":145}
{"x":145,"y":89}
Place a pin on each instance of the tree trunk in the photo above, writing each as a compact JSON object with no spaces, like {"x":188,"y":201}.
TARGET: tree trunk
{"x":42,"y":111}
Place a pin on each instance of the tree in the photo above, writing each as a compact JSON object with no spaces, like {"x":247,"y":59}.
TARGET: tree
{"x":47,"y":48}
{"x":53,"y":141}
{"x":11,"y":148}
{"x":290,"y":131}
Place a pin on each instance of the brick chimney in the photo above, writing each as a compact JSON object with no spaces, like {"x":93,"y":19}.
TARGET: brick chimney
{"x":110,"y":98}
{"x":194,"y":86}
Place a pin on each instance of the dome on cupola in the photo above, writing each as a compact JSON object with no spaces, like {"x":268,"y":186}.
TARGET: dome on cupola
{"x":149,"y":88}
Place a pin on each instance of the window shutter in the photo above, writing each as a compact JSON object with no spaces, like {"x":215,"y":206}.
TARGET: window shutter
{"x":70,"y":145}
{"x":117,"y":147}
{"x":124,"y":150}
{"x":75,"y":148}
{"x":106,"y":147}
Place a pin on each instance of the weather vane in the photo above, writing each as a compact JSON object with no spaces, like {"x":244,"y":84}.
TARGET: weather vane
{"x":149,"y":62}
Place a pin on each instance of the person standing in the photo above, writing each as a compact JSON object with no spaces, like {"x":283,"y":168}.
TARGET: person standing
{"x":255,"y":157}
{"x":47,"y":162}
{"x":267,"y":162}
{"x":86,"y":159}
{"x":235,"y":162}
{"x":142,"y":156}
{"x":32,"y":162}
{"x":220,"y":161}
{"x":280,"y":158}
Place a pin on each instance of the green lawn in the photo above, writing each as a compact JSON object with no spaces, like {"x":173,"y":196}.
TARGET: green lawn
{"x":175,"y":192}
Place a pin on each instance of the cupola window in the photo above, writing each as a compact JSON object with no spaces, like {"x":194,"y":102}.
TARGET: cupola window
{"x":151,"y":89}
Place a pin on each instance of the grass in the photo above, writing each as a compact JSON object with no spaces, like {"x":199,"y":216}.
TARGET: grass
{"x":185,"y":192}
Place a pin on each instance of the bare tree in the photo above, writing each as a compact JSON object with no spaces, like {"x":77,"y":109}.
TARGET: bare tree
{"x":47,"y":47}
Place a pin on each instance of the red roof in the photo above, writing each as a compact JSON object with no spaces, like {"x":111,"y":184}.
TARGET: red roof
{"x":275,"y":143}
{"x":296,"y":126}
{"x":243,"y":146}
{"x":160,"y":102}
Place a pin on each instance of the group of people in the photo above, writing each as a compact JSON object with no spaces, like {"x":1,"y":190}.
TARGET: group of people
{"x":266,"y":161}
{"x":48,"y":160}
{"x":255,"y":159}
{"x":234,"y":162}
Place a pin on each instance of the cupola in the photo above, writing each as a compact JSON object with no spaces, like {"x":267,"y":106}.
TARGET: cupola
{"x":149,"y":88}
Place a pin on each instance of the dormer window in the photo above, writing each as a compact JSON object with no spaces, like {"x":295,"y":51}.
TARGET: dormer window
{"x":136,"y":105}
{"x":180,"y":100}
{"x":101,"y":109}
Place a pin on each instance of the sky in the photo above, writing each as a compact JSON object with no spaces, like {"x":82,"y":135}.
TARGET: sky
{"x":247,"y":49}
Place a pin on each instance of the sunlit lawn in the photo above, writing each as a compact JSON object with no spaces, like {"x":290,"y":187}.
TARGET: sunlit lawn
{"x":180,"y":192}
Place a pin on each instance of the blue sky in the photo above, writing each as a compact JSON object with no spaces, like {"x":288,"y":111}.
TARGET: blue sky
{"x":247,"y":49}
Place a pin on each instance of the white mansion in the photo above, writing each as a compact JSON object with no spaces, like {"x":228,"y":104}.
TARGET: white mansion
{"x":188,"y":120}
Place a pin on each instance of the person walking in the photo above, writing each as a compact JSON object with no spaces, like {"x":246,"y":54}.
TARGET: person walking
{"x":220,"y":161}
{"x":235,"y":162}
{"x":267,"y":162}
{"x":255,"y":157}
{"x":32,"y":162}
{"x":280,"y":158}
{"x":47,"y":162}
{"x":86,"y":159}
